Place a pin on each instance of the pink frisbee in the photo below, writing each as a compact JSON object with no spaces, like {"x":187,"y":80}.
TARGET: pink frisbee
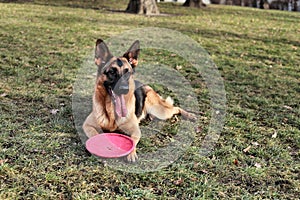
{"x":110,"y":145}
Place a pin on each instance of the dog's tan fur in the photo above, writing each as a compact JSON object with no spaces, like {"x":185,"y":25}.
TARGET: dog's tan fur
{"x":103,"y":117}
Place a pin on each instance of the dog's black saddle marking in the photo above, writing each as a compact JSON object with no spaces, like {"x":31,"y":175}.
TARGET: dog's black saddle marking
{"x":140,"y":96}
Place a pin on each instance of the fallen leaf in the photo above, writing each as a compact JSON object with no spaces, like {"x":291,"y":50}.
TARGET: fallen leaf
{"x":288,"y":107}
{"x":294,"y":47}
{"x":257,"y":165}
{"x":255,"y":143}
{"x":236,"y":162}
{"x":3,"y":161}
{"x":54,"y":111}
{"x":172,"y":140}
{"x":198,"y":129}
{"x":274,"y":135}
{"x":247,"y":149}
{"x":178,"y":182}
{"x":222,"y":194}
{"x":178,"y":67}
{"x":3,"y":94}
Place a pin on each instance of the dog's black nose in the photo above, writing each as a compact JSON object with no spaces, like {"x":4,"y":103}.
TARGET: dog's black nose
{"x":121,"y":88}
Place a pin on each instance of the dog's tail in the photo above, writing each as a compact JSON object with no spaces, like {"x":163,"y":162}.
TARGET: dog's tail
{"x":169,"y":100}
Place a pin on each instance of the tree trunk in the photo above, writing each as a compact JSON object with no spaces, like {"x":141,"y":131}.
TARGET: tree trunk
{"x":147,"y":7}
{"x":295,"y":5}
{"x":194,"y":3}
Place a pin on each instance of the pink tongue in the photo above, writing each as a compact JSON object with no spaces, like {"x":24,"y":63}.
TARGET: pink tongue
{"x":120,"y":106}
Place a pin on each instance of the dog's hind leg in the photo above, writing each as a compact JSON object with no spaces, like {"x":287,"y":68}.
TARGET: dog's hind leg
{"x":163,"y":108}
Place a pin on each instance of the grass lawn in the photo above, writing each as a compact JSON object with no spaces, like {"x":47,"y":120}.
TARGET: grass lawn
{"x":43,"y":45}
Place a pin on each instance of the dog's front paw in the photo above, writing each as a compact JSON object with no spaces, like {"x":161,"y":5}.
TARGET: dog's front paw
{"x":132,"y":157}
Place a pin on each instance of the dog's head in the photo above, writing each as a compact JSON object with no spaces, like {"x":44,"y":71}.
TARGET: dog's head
{"x":115,"y":73}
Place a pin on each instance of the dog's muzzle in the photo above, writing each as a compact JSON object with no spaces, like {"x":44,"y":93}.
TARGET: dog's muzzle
{"x":122,"y":87}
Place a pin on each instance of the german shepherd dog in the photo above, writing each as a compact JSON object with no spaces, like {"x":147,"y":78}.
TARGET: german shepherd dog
{"x":120,"y":102}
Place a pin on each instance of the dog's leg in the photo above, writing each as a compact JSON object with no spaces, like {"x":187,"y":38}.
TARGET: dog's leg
{"x":134,"y":131}
{"x":163,"y":108}
{"x":136,"y":135}
{"x":88,"y":128}
{"x":187,"y":115}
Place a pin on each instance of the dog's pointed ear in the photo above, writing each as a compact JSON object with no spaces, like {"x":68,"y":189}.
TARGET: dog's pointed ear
{"x":132,"y":53}
{"x":102,"y":53}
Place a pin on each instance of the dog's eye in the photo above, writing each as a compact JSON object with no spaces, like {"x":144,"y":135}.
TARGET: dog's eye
{"x":126,"y":71}
{"x":126,"y":74}
{"x":112,"y":71}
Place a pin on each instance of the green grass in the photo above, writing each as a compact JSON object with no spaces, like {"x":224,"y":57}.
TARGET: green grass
{"x":257,"y":53}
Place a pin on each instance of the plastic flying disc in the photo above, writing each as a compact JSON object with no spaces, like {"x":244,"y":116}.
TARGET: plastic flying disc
{"x":110,"y":145}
